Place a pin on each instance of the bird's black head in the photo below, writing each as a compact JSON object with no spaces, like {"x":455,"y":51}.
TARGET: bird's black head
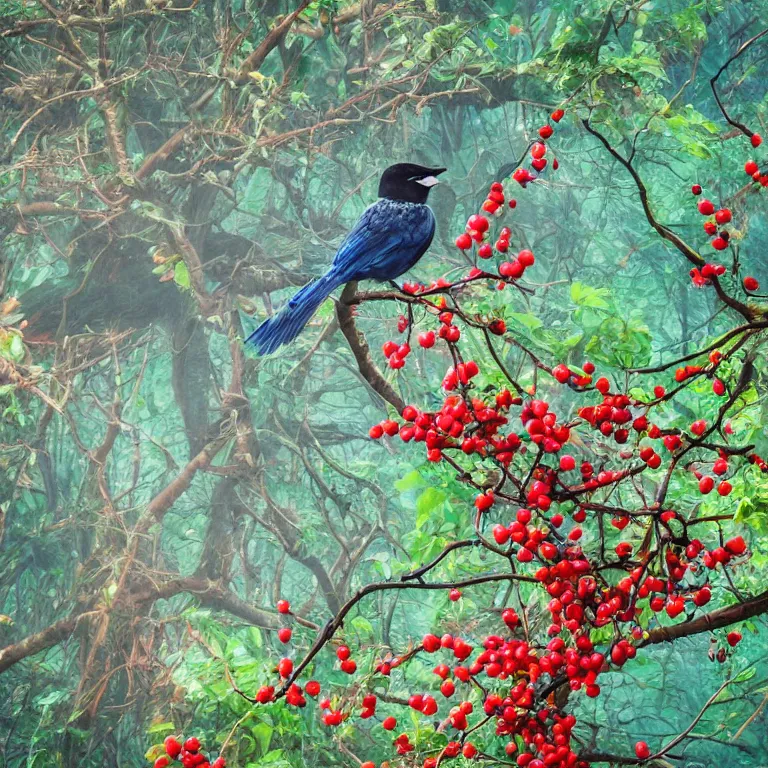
{"x":408,"y":182}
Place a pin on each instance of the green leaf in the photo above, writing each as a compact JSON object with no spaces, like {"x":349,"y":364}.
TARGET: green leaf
{"x":529,"y":321}
{"x":745,"y":675}
{"x":410,"y":481}
{"x":585,"y":296}
{"x":181,"y":275}
{"x":161,"y":727}
{"x":362,"y":625}
{"x":263,"y":733}
{"x":428,"y":501}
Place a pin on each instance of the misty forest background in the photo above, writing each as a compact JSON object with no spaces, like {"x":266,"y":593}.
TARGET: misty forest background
{"x":171,"y":171}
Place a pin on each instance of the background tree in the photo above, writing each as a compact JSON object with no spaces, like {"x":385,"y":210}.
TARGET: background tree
{"x":169,"y":173}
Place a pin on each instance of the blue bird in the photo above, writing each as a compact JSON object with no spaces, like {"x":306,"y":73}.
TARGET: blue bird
{"x":388,"y":239}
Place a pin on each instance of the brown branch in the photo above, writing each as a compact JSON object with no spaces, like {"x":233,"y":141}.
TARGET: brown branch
{"x":216,"y":596}
{"x":256,"y":58}
{"x":164,"y":500}
{"x":708,"y":622}
{"x":162,"y":155}
{"x":361,"y":351}
{"x":665,"y":232}
{"x":713,"y":82}
{"x":338,"y":620}
{"x":40,"y":641}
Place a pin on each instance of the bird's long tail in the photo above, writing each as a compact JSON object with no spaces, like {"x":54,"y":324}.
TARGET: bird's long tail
{"x":287,"y":324}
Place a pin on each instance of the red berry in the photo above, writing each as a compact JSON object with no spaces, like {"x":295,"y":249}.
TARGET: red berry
{"x":511,"y":269}
{"x":389,"y":724}
{"x":546,"y":131}
{"x":706,"y":207}
{"x":696,"y":189}
{"x":751,"y":168}
{"x":736,"y":546}
{"x":162,"y":762}
{"x":706,"y":484}
{"x":642,"y":750}
{"x":283,"y":606}
{"x":427,"y":339}
{"x":500,"y":534}
{"x":349,"y":666}
{"x":723,"y":216}
{"x":603,"y":386}
{"x":172,"y":747}
{"x":567,"y":463}
{"x":284,"y":634}
{"x":343,"y":653}
{"x":699,"y":427}
{"x":454,"y":595}
{"x":561,"y":373}
{"x":733,"y":638}
{"x":724,"y":488}
{"x":192,"y":744}
{"x":464,"y":242}
{"x":557,"y":115}
{"x":484,"y":501}
{"x":525,"y":257}
{"x":390,"y":427}
{"x":756,"y":140}
{"x":478,"y":223}
{"x":750,"y":284}
{"x":312,"y":687}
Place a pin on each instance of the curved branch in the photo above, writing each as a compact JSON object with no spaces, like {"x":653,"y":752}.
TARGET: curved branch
{"x":361,"y":350}
{"x":713,"y":82}
{"x":338,"y":620}
{"x":670,"y":236}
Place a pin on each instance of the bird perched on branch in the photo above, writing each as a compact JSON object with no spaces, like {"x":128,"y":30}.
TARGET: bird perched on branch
{"x":388,"y":239}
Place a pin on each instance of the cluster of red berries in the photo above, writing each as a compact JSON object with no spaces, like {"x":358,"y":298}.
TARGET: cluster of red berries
{"x":752,"y":169}
{"x":188,"y":754}
{"x":715,"y":226}
{"x":466,"y":424}
{"x":477,"y":232}
{"x":538,"y":153}
{"x":506,"y":673}
{"x":721,"y":238}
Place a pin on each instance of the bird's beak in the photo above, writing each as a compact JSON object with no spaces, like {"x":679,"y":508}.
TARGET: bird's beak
{"x":431,"y":180}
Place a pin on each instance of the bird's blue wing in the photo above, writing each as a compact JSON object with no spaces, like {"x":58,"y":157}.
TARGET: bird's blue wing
{"x":386,"y":241}
{"x":371,"y":243}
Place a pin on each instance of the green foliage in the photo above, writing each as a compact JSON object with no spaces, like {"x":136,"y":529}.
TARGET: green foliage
{"x":266,"y":180}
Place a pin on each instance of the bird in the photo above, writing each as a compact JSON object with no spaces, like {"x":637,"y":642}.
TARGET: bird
{"x":388,"y":239}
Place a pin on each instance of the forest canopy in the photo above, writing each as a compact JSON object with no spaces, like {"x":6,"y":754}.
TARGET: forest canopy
{"x":536,"y":461}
